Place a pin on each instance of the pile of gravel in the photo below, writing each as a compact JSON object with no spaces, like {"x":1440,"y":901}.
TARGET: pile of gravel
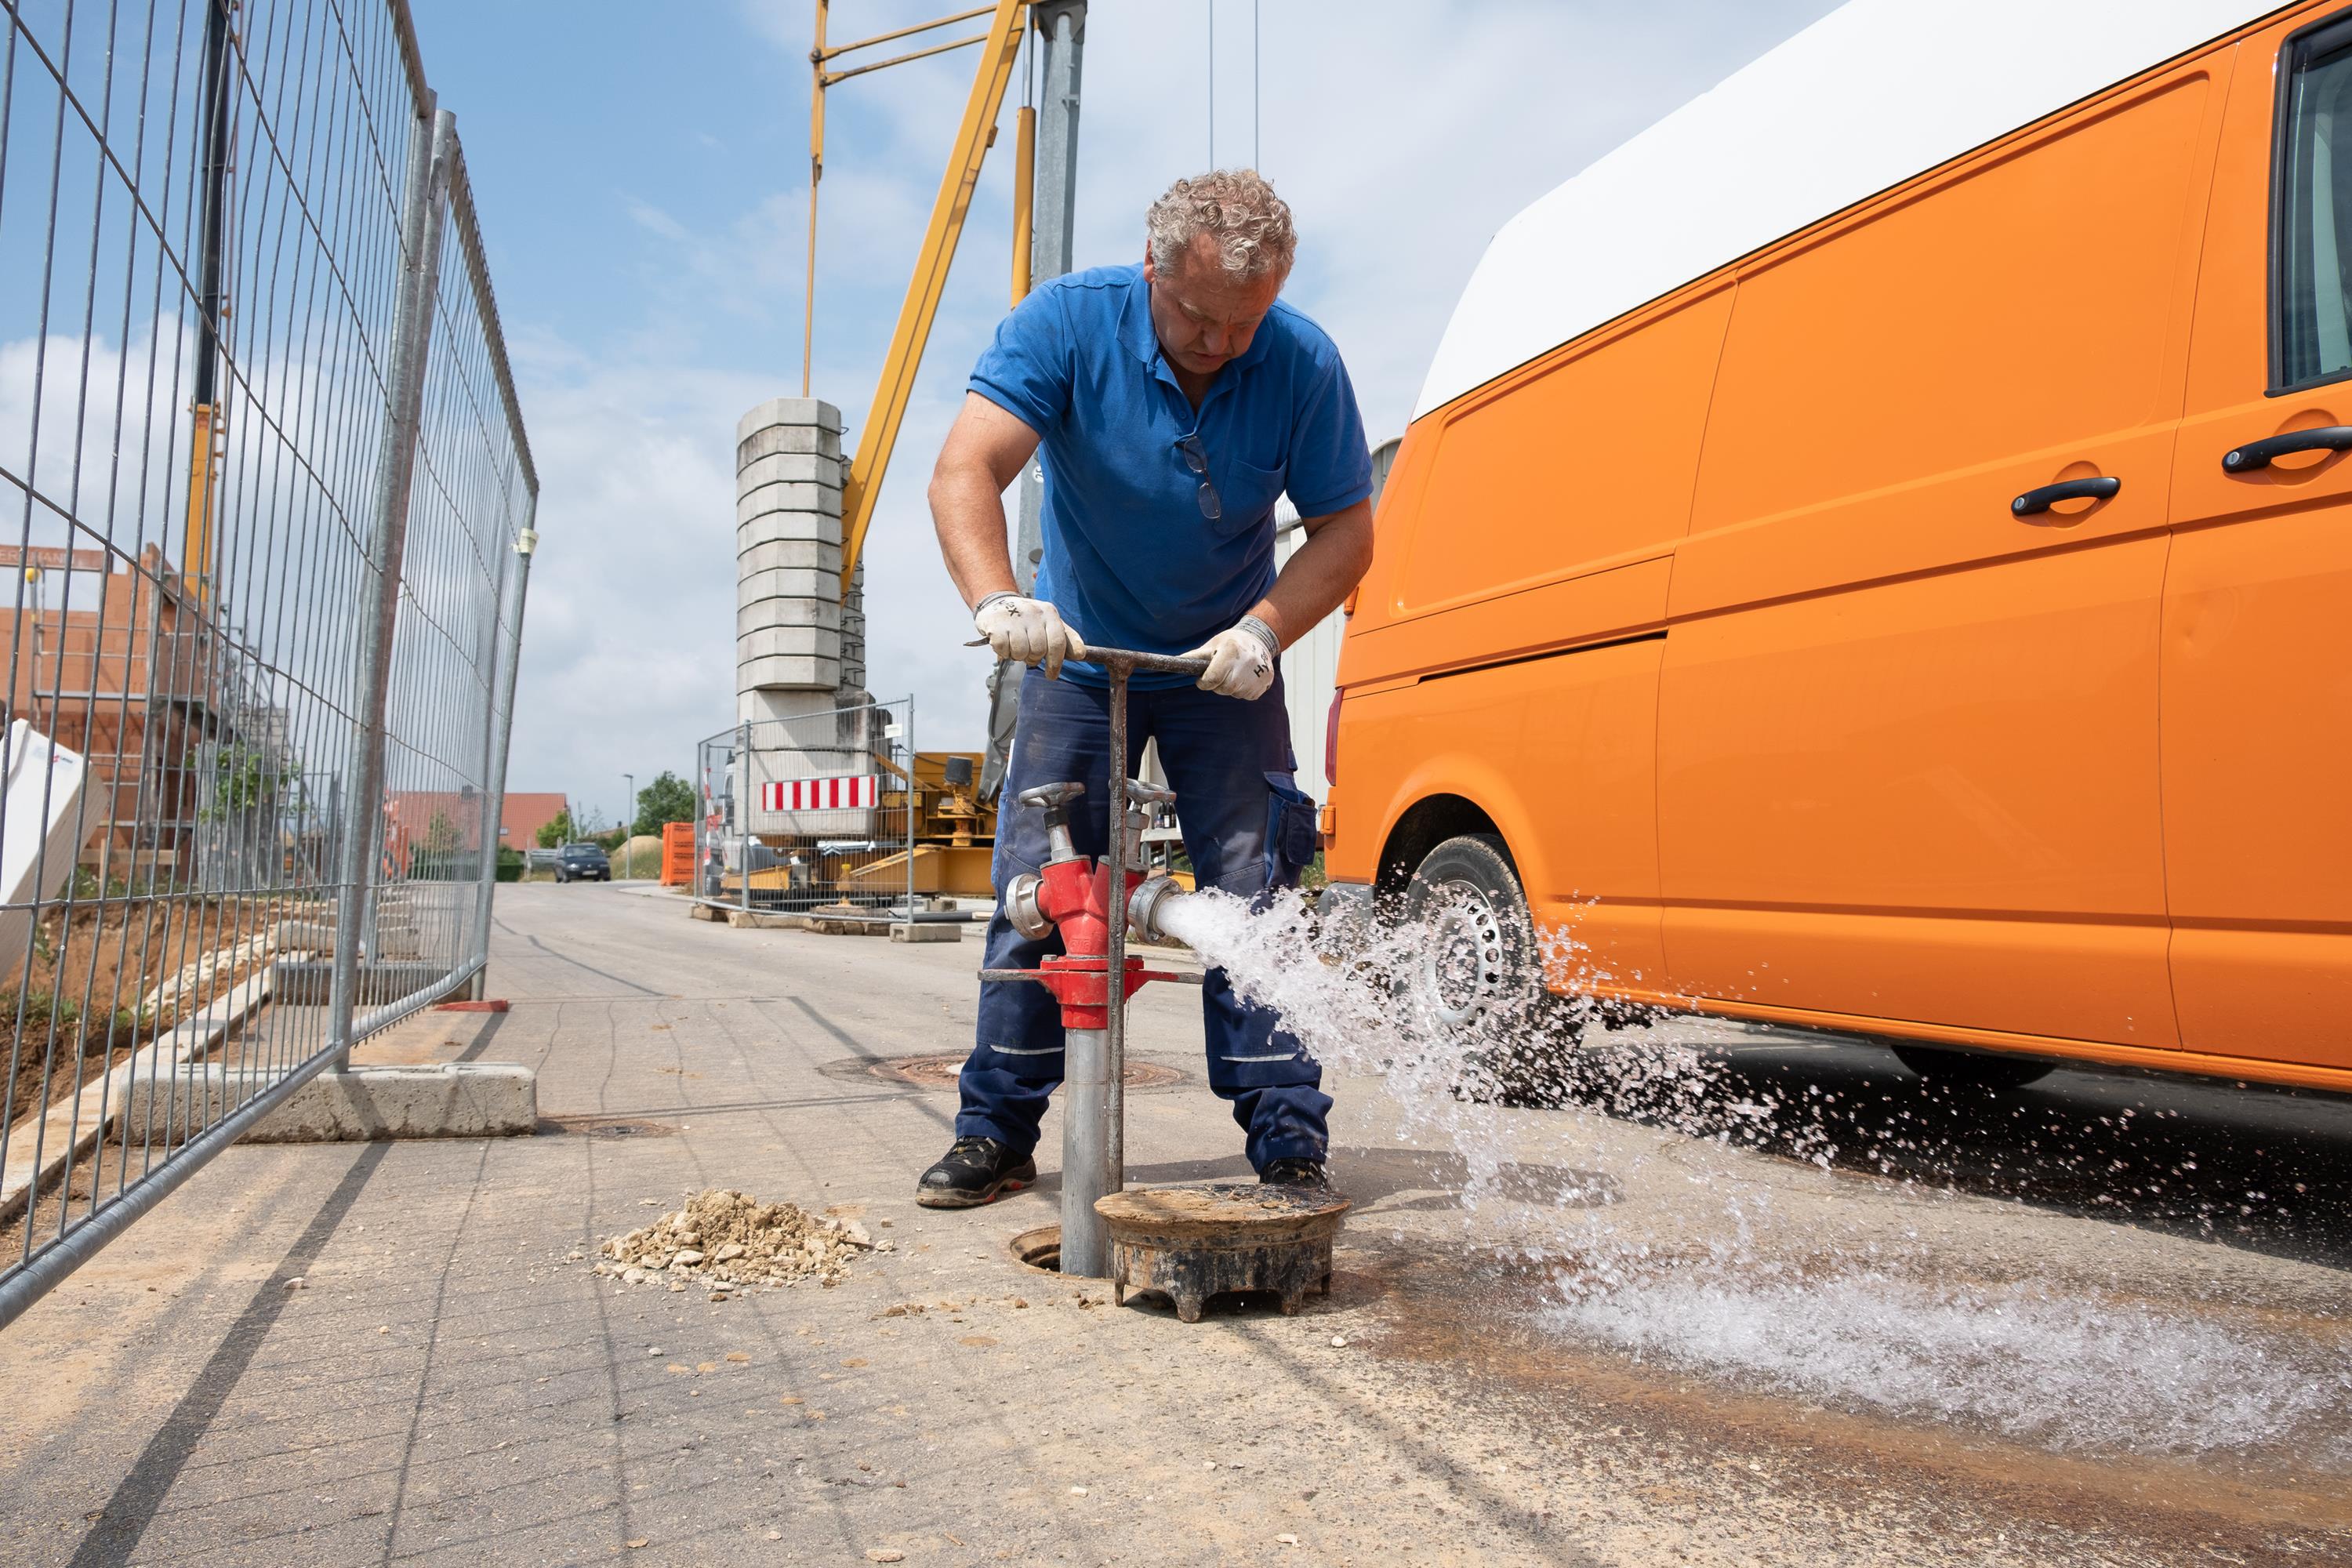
{"x":731,"y":1242}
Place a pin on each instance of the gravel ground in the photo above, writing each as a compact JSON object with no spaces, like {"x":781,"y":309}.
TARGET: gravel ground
{"x":390,"y":1351}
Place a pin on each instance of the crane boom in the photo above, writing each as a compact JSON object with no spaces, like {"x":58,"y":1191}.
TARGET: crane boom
{"x":894,"y":387}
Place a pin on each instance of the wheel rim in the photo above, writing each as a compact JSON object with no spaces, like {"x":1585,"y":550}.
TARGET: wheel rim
{"x":1467,"y":961}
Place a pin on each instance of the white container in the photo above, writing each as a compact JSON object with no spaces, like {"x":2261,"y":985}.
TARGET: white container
{"x":35,"y":856}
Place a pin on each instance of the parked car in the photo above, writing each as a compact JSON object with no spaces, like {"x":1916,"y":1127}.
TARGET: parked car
{"x":583,"y":863}
{"x":1875,"y":554}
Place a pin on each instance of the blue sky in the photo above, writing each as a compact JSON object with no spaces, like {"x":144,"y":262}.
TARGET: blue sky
{"x":641,"y":176}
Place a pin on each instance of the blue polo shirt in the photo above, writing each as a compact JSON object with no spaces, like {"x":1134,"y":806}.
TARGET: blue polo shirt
{"x":1130,"y":560}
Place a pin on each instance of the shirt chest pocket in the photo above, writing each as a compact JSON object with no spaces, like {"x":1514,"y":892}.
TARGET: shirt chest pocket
{"x":1245,"y":493}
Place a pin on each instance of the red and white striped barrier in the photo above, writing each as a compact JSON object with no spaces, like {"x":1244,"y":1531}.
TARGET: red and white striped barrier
{"x":854,"y":791}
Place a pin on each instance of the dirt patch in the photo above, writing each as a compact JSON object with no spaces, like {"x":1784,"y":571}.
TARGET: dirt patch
{"x":730,"y":1242}
{"x":47,"y":1074}
{"x":111,"y":974}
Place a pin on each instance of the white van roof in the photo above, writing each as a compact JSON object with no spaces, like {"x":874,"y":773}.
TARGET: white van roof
{"x":1874,"y":92}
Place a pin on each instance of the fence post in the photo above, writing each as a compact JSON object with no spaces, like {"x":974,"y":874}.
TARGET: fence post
{"x":910,"y":737}
{"x":526,"y":544}
{"x":429,"y":158}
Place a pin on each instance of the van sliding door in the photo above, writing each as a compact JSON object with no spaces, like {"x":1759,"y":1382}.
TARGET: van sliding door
{"x":1907,"y":720}
{"x":2257,"y":642}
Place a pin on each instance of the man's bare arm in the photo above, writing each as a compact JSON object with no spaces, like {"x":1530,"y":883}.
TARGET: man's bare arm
{"x":1320,"y":575}
{"x":984,"y":450}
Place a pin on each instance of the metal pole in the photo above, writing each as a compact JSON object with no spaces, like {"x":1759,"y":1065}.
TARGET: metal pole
{"x":1115,"y":1037}
{"x":629,"y":825}
{"x":1092,"y":1153}
{"x":1062,"y":26}
{"x":910,"y":737}
{"x":430,"y":157}
{"x":526,"y":545}
{"x":743,"y":820}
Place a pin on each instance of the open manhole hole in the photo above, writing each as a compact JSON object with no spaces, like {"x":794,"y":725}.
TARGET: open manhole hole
{"x":608,"y":1126}
{"x":1040,"y":1248}
{"x":939,"y":1071}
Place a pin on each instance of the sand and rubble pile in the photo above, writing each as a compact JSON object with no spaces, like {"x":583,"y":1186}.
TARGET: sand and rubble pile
{"x":731,"y":1242}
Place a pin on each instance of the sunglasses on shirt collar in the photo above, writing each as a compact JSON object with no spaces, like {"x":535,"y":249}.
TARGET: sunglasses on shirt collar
{"x":1196,"y":458}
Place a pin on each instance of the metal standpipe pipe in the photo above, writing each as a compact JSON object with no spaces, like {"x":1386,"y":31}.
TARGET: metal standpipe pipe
{"x":1090,"y":1168}
{"x":1087,"y":900}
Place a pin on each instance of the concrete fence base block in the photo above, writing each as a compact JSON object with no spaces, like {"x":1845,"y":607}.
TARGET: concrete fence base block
{"x":304,"y":936}
{"x":925,"y":930}
{"x":309,"y":983}
{"x":762,"y":919}
{"x":706,"y":912}
{"x":454,"y":1099}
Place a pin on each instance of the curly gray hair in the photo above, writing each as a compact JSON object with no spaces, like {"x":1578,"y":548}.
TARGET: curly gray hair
{"x":1236,"y":208}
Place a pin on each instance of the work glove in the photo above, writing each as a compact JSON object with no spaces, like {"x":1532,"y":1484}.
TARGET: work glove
{"x":1241,"y":661}
{"x":1026,"y":631}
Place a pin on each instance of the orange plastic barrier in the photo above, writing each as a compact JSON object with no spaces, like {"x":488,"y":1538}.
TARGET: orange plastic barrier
{"x":678,"y":854}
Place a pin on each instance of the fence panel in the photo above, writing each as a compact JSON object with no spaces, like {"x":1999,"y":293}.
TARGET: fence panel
{"x":804,"y":814}
{"x":267,"y":506}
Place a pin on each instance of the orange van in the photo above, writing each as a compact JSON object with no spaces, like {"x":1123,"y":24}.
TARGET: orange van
{"x":1875,"y":554}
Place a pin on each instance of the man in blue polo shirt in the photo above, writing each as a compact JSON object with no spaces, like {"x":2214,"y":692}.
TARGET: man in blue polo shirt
{"x":1173,"y":403}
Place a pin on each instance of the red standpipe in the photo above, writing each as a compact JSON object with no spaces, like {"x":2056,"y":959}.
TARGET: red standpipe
{"x":1076,"y":897}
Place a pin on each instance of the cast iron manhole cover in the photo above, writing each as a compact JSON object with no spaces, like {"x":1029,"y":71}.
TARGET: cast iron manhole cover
{"x":609,"y":1126}
{"x":939,"y":1071}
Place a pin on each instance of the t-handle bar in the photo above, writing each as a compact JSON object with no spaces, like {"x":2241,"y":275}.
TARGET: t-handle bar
{"x":1123,"y":659}
{"x":1127,"y":659}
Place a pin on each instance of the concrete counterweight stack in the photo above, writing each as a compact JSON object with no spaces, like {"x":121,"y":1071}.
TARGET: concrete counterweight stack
{"x":800,"y":652}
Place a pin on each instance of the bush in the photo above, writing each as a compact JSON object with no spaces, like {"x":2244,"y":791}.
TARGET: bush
{"x":510,"y":865}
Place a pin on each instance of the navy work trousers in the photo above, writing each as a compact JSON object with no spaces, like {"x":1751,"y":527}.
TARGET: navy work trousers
{"x":1248,"y":831}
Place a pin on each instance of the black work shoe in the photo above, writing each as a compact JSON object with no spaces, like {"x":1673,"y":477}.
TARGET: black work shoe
{"x":972,"y":1172}
{"x":1295,"y":1173}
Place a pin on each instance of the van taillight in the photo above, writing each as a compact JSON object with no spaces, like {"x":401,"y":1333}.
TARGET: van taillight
{"x":1331,"y":742}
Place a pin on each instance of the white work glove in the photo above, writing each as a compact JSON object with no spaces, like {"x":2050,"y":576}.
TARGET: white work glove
{"x":1241,"y":661}
{"x":1026,"y":631}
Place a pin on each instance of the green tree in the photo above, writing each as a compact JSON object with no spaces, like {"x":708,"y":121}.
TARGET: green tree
{"x":440,"y":834}
{"x":556,"y":831}
{"x":667,"y":799}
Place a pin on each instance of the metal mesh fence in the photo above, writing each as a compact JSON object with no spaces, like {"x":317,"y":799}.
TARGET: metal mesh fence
{"x":268,"y":505}
{"x":814,"y":812}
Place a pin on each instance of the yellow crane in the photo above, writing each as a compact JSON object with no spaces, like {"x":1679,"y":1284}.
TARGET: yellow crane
{"x":1000,"y":48}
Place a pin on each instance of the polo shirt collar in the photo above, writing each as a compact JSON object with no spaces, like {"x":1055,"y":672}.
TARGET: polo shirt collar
{"x":1142,"y":339}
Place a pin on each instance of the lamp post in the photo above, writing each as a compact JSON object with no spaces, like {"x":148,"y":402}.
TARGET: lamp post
{"x":629,"y":822}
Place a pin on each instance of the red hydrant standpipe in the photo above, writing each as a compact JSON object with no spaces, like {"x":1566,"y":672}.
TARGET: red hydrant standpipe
{"x":1088,"y":901}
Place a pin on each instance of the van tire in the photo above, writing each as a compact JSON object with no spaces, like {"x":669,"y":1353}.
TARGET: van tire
{"x":1974,"y":1070}
{"x":1483,"y":966}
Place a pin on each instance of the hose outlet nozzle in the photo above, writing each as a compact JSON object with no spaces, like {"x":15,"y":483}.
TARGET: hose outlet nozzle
{"x":1021,"y":906}
{"x":1147,"y":904}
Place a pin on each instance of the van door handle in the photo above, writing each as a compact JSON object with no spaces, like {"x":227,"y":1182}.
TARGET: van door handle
{"x":2034,"y":504}
{"x":2255,"y":454}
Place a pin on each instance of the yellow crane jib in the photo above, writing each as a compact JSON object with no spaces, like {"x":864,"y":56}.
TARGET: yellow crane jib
{"x":1000,"y":46}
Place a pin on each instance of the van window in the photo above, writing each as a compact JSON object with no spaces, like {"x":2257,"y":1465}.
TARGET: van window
{"x":2310,"y":288}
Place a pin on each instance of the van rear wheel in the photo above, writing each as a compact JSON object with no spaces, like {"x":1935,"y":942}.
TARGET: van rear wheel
{"x":1979,"y":1070}
{"x":1479,"y":970}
